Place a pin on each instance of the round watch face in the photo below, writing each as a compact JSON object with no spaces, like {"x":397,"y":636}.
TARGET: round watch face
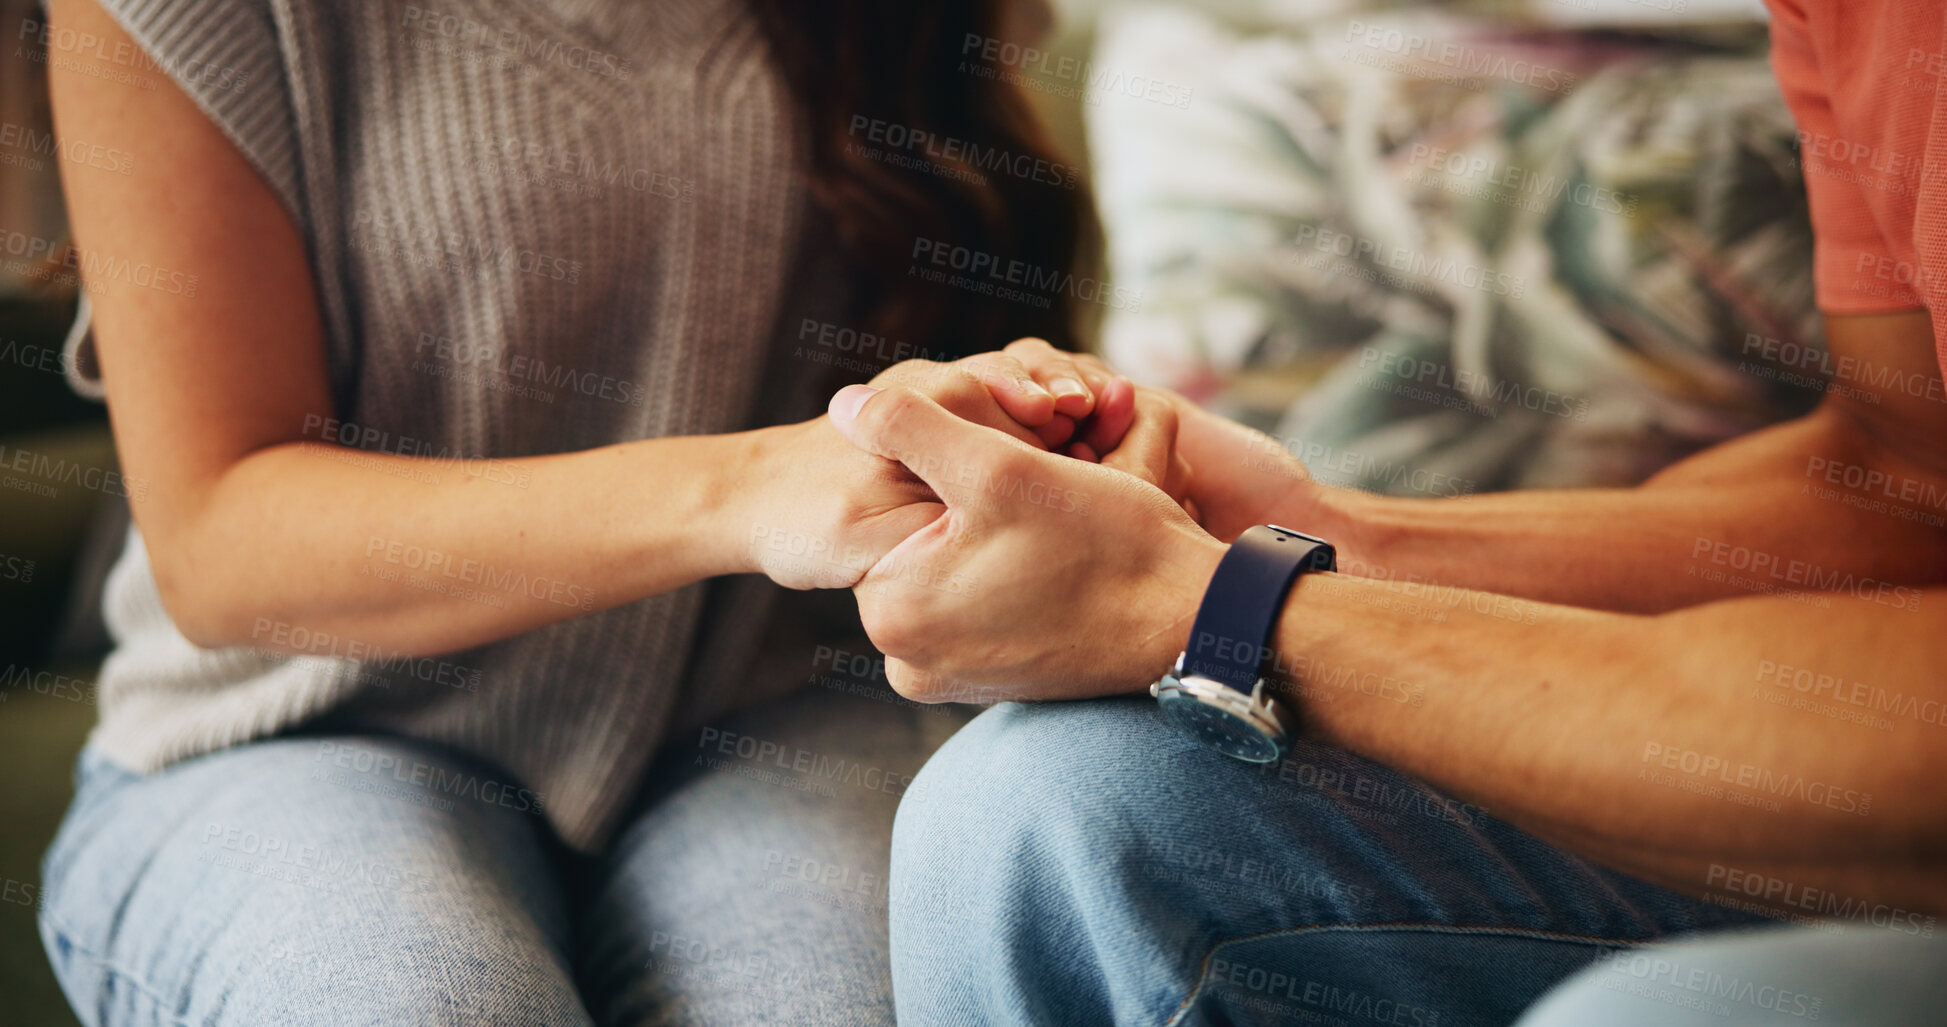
{"x":1218,"y":728}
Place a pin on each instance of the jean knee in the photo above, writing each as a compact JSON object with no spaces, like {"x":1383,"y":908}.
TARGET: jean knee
{"x":1041,"y":831}
{"x":1031,"y":769}
{"x":1020,"y":800}
{"x":1033,"y":802}
{"x":244,"y":886}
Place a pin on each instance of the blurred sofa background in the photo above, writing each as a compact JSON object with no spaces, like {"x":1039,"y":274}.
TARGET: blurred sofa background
{"x":1433,"y":248}
{"x":1448,"y":248}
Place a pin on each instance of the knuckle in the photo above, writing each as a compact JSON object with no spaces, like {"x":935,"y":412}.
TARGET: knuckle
{"x":943,"y":379}
{"x":1014,"y":464}
{"x":887,"y":414}
{"x":981,"y":367}
{"x":1013,"y":365}
{"x":913,"y":370}
{"x":1028,"y":345}
{"x":1153,"y":407}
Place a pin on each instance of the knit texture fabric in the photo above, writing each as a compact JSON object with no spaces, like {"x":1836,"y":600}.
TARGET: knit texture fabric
{"x":536,"y":226}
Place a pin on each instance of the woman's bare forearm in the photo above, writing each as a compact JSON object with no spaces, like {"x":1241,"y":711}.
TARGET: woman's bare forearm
{"x":308,"y":540}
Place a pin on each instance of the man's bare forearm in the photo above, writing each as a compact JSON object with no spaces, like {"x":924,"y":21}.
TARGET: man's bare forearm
{"x":1851,"y":498}
{"x":1804,"y":506}
{"x":1798,"y":741}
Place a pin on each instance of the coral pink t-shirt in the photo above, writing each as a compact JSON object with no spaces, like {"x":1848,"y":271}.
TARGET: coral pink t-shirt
{"x":1864,"y":80}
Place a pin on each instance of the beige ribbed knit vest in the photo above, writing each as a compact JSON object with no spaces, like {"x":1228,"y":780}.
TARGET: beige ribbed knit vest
{"x":537,"y":226}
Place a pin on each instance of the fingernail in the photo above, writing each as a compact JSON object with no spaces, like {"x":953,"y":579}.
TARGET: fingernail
{"x":1032,"y":387}
{"x":1068,"y":387}
{"x":845,"y":406}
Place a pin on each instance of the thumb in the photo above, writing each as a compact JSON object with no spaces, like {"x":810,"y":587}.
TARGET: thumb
{"x":936,"y":445}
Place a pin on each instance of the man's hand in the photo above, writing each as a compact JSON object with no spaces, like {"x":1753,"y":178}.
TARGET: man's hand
{"x":1034,"y":560}
{"x":1248,"y":477}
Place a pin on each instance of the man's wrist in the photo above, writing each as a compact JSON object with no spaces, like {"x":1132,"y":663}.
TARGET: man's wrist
{"x":1183,"y":576}
{"x":1292,"y":644}
{"x":1344,"y":517}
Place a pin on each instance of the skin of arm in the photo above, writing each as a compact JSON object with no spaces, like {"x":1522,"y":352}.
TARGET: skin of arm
{"x":1664,"y":745}
{"x":1816,"y":489}
{"x":258,"y":522}
{"x":1823,"y":489}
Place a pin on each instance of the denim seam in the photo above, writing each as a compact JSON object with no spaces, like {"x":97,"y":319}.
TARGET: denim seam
{"x":1203,"y":966}
{"x":141,"y":985}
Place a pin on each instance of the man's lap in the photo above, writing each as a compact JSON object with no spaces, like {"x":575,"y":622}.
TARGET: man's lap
{"x":1093,"y":863}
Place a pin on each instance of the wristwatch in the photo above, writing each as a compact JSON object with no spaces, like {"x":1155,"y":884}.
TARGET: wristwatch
{"x":1217,"y":690}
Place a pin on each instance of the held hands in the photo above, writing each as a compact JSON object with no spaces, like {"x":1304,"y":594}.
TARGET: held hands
{"x":816,"y":511}
{"x":1000,"y":526}
{"x":1029,"y":562}
{"x":1243,"y":477}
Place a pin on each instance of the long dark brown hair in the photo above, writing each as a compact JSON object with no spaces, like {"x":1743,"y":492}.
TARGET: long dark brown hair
{"x":916,"y":65}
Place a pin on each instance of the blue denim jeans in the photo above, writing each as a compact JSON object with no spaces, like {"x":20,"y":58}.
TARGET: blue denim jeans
{"x":1085,"y":863}
{"x":340,"y":880}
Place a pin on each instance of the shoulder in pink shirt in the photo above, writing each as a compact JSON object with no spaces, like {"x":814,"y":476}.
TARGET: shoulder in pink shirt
{"x":1865,"y":81}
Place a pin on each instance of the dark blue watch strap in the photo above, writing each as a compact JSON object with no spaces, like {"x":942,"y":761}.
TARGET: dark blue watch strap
{"x":1233,"y":629}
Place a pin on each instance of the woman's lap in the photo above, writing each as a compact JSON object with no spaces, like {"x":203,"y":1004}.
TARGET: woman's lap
{"x":1084,"y":862}
{"x":333,"y":880}
{"x":273,"y":883}
{"x":751,"y":887}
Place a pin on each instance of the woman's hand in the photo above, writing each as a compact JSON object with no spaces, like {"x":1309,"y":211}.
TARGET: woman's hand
{"x":816,"y":512}
{"x":1073,"y":404}
{"x":1095,"y":427}
{"x":1040,"y":387}
{"x":1244,"y":477}
{"x":1028,"y":562}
